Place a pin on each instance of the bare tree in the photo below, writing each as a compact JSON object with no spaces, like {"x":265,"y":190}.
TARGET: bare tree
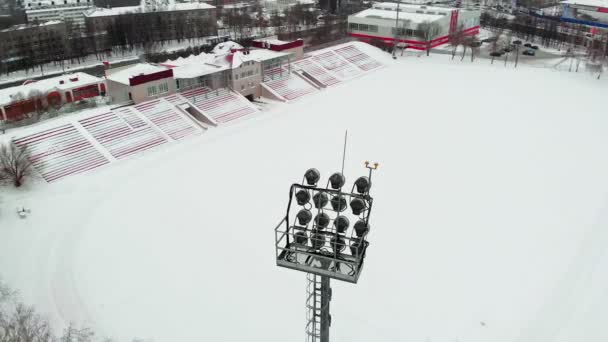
{"x":15,"y":164}
{"x":428,"y":30}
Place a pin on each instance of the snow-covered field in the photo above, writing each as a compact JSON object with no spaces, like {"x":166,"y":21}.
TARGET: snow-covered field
{"x":489,"y":217}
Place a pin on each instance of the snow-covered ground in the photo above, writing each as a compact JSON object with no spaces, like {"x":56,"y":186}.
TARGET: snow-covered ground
{"x":489,"y":217}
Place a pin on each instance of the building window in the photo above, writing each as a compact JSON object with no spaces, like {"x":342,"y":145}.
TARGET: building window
{"x":152,"y":91}
{"x":363,"y":27}
{"x":373,"y":28}
{"x":353,"y":26}
{"x":163,"y":87}
{"x":250,"y":73}
{"x":242,"y":86}
{"x":177,"y":84}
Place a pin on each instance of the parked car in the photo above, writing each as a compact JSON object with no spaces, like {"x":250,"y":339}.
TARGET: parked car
{"x":475,"y":44}
{"x":528,"y":45}
{"x":535,"y":47}
{"x":495,"y":54}
{"x":516,"y":42}
{"x":489,"y":40}
{"x":507,"y":49}
{"x":529,"y":52}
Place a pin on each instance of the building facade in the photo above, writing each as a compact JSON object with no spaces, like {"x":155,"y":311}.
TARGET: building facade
{"x":139,"y":83}
{"x":420,"y":27}
{"x":28,"y":45}
{"x":141,"y":24}
{"x":592,"y":13}
{"x":74,"y":15}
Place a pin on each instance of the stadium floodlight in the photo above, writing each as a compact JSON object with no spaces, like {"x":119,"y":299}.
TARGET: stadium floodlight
{"x":321,"y":221}
{"x":312,"y":176}
{"x":337,"y":180}
{"x":338,"y":203}
{"x":341,"y":224}
{"x":304,"y":217}
{"x":302,"y":197}
{"x":330,"y":248}
{"x":320,"y":200}
{"x":362,"y":184}
{"x":357,"y":205}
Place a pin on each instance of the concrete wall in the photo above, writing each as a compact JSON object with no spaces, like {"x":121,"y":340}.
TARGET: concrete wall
{"x":118,"y":92}
{"x":247,"y":85}
{"x":139,"y":93}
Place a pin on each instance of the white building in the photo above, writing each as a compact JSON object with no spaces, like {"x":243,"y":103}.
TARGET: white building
{"x":420,"y":27}
{"x":281,"y":5}
{"x":72,"y":14}
{"x":139,"y":83}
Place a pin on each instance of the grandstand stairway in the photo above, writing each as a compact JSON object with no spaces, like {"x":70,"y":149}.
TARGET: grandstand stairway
{"x":336,"y":65}
{"x":223,"y":105}
{"x":122,"y":136}
{"x":316,"y":72}
{"x":357,"y":57}
{"x":168,"y":118}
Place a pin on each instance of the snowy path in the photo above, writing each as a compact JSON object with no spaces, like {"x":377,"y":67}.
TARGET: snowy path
{"x":488,"y":225}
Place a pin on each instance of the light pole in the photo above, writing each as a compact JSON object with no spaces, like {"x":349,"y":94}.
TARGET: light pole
{"x":396,"y":31}
{"x":325,"y":246}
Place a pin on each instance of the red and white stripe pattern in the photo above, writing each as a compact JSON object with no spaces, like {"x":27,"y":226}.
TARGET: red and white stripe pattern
{"x":60,"y":152}
{"x":119,"y":137}
{"x":168,"y":118}
{"x":291,"y":88}
{"x":275,"y":73}
{"x":222,"y":105}
{"x":358,"y":58}
{"x":176,"y":99}
{"x":317,"y":72}
{"x":334,"y":63}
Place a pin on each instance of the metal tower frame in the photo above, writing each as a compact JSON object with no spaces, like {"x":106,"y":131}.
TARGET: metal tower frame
{"x":323,"y":250}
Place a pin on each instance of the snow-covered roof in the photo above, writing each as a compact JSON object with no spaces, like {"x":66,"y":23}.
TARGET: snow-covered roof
{"x":124,"y":74}
{"x":592,"y":3}
{"x":26,"y":26}
{"x":414,"y":13}
{"x":225,"y":47}
{"x":70,"y":81}
{"x":58,"y":9}
{"x":105,"y":12}
{"x":197,"y":70}
{"x":260,"y":55}
{"x":373,"y":13}
{"x":222,"y":58}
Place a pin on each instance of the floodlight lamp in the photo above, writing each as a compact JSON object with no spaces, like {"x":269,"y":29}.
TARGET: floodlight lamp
{"x":361,"y":228}
{"x":317,"y":240}
{"x":304,"y":217}
{"x":337,"y":180}
{"x":320,"y":200}
{"x":301,"y":238}
{"x":356,"y":247}
{"x":302,"y":197}
{"x":312,"y":176}
{"x":362,"y":184}
{"x":357,"y":205}
{"x":337,"y":244}
{"x":321,"y":221}
{"x":338,"y":203}
{"x":341,"y":223}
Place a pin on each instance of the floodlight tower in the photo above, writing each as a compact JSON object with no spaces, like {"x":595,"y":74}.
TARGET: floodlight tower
{"x":316,"y":237}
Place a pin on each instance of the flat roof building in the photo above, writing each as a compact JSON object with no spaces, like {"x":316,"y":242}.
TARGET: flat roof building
{"x":140,"y":82}
{"x":16,"y":102}
{"x":420,"y":27}
{"x":592,"y":13}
